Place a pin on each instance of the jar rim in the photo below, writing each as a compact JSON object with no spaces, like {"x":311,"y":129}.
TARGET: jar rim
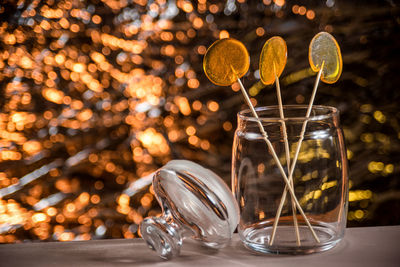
{"x":246,"y":114}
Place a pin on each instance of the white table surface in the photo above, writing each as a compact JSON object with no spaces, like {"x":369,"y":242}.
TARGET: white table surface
{"x":369,"y":246}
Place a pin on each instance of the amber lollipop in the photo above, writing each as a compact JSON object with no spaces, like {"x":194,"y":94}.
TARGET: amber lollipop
{"x":225,"y":62}
{"x":273,"y":60}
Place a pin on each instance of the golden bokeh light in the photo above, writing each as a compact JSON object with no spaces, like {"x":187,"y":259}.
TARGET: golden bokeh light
{"x":96,"y":96}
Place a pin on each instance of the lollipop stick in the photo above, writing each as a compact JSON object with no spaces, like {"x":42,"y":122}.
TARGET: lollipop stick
{"x":276,"y":221}
{"x":275,"y":157}
{"x":303,"y":129}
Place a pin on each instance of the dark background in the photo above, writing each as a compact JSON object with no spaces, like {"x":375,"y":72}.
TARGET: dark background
{"x":78,"y":129}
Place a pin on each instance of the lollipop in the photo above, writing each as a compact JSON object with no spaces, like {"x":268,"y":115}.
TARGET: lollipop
{"x":225,"y":62}
{"x":272,"y":62}
{"x":325,"y":50}
{"x":272,"y":59}
{"x":324,"y":57}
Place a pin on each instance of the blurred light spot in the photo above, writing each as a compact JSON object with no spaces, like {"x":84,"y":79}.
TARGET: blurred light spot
{"x":190,"y":130}
{"x":379,"y":116}
{"x":359,"y":214}
{"x":223,"y":34}
{"x":227,"y":126}
{"x":302,"y":10}
{"x":193,"y":140}
{"x":213,"y":106}
{"x":197,"y":105}
{"x":295,"y":9}
{"x":279,"y":2}
{"x":95,"y":199}
{"x":39,"y":217}
{"x":205,"y":145}
{"x":260,"y":31}
{"x":310,"y":14}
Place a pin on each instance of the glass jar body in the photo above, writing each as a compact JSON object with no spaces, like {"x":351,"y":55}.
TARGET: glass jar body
{"x":319,"y":180}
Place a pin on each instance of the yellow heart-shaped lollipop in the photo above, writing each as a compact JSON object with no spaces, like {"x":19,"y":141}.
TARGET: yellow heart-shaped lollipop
{"x":272,"y":59}
{"x":325,"y":49}
{"x":225,"y":61}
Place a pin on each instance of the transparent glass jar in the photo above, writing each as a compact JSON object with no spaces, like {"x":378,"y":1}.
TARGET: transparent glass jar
{"x":320,"y":180}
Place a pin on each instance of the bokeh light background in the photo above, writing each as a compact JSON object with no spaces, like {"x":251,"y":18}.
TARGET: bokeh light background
{"x":96,"y":94}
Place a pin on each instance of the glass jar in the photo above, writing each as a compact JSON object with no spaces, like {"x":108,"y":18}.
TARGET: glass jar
{"x":307,"y":212}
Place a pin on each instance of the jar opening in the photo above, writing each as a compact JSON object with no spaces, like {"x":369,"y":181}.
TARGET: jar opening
{"x":291,"y":112}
